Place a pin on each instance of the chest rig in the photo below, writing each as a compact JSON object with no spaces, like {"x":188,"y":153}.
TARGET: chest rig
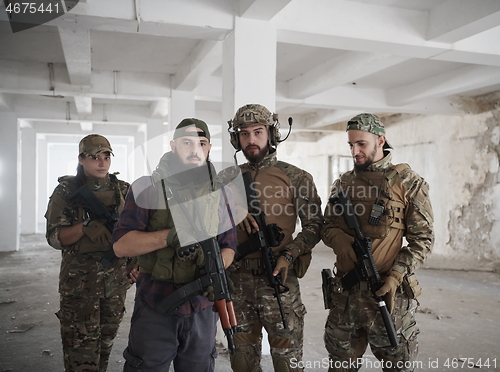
{"x":382,"y":191}
{"x":110,"y":196}
{"x":164,"y":264}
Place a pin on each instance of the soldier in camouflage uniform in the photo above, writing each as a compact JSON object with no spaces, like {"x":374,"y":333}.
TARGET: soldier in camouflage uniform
{"x":92,"y":296}
{"x":354,"y":319}
{"x":284,"y":192}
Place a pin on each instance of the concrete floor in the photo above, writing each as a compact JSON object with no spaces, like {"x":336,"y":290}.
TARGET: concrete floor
{"x":459,"y":315}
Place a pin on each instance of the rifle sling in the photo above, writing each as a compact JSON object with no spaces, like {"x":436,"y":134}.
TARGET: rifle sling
{"x":182,"y":294}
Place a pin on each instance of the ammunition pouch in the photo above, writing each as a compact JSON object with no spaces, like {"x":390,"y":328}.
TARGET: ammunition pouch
{"x":253,"y":265}
{"x":301,"y":264}
{"x":411,"y":286}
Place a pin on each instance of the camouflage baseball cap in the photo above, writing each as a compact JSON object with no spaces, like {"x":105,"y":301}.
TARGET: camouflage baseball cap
{"x":180,"y":130}
{"x":253,"y":114}
{"x":93,"y":144}
{"x":368,"y":123}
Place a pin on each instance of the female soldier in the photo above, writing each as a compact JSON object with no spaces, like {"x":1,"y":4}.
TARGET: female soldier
{"x":93,"y":282}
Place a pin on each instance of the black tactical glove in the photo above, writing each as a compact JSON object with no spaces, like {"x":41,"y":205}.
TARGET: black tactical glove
{"x":186,"y":252}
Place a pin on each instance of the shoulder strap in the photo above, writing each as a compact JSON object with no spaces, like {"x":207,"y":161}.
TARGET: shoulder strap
{"x":70,"y":181}
{"x":397,"y":169}
{"x":401,"y":167}
{"x":283,"y":166}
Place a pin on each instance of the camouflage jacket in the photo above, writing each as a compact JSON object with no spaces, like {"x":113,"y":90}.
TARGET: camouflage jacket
{"x":61,"y":212}
{"x":81,"y":275}
{"x":388,"y":252}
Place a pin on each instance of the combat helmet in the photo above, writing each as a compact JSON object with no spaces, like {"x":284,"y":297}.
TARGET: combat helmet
{"x":254,"y":114}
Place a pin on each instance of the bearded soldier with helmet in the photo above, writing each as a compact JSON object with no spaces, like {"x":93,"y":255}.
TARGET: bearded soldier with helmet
{"x":92,"y":282}
{"x":390,"y":202}
{"x":284,"y":192}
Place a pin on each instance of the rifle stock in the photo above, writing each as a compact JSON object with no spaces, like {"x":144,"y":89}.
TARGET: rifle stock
{"x":366,"y":268}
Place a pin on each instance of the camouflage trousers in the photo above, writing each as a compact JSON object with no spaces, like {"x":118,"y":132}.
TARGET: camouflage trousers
{"x":88,"y":329}
{"x":354,"y":321}
{"x":256,"y":307}
{"x":92,"y":304}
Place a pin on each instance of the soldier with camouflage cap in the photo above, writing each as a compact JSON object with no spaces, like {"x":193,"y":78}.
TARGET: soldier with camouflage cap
{"x":403,"y":197}
{"x":285,"y":193}
{"x":92,"y":295}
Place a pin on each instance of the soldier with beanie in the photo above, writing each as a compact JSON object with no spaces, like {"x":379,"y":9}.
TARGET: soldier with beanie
{"x":92,"y":282}
{"x":400,"y":198}
{"x":285,"y":192}
{"x":149,"y":228}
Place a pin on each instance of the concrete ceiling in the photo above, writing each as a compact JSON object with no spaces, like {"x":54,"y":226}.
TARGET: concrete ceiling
{"x":335,"y":58}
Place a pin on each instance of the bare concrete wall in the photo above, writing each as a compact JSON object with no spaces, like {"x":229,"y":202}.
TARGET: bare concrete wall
{"x":311,"y":152}
{"x":459,"y":158}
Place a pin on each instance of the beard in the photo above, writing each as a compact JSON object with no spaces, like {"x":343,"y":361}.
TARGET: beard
{"x":182,"y":165}
{"x":255,"y":158}
{"x":368,"y":161}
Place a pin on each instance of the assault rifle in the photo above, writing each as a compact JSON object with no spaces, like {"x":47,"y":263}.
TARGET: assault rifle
{"x":97,"y":211}
{"x":365,"y":268}
{"x":213,"y":278}
{"x":268,"y":236}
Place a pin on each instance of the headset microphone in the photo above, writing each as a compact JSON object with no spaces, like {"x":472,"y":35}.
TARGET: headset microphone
{"x":290,"y":121}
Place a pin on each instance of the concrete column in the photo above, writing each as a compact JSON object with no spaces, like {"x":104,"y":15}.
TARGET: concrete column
{"x":43,"y":193}
{"x":28,"y":179}
{"x":9,"y":182}
{"x":248,"y":69}
{"x":182,"y":105}
{"x":139,"y":158}
{"x":248,"y":76}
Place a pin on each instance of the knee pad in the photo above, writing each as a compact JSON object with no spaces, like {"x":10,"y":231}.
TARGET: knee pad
{"x":240,"y":362}
{"x":282,"y":364}
{"x":339,"y":365}
{"x":245,"y":359}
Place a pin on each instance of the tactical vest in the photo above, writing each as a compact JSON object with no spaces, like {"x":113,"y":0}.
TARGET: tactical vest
{"x":111,"y":199}
{"x":365,"y":188}
{"x":164,"y":264}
